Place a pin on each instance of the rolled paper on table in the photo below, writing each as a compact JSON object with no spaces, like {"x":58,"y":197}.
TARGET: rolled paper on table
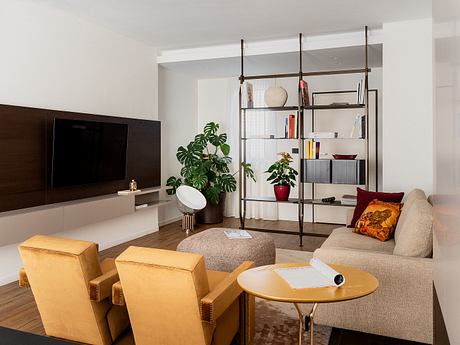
{"x":328,"y":271}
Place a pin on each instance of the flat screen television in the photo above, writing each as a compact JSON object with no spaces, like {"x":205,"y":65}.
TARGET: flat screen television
{"x":88,"y":152}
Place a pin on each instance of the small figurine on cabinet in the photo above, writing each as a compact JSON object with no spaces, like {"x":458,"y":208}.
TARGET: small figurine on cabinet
{"x":132,"y":186}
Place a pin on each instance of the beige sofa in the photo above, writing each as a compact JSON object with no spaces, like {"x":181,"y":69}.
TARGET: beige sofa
{"x":402,"y":305}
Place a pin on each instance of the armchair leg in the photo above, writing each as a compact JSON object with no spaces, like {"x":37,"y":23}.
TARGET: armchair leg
{"x":247,"y":319}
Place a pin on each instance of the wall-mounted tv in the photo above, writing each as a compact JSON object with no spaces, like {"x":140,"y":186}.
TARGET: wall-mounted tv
{"x":87,"y":152}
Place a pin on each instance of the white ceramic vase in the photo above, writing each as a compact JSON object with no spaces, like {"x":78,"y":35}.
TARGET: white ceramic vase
{"x":275,"y":96}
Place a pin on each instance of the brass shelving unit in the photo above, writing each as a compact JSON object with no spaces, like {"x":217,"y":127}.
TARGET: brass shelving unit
{"x":300,"y":200}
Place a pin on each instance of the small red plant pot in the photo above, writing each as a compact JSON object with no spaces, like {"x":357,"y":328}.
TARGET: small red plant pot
{"x":282,"y":192}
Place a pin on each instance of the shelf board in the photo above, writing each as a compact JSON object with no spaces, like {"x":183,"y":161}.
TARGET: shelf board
{"x":151,"y":204}
{"x":334,"y":106}
{"x":286,"y":108}
{"x":339,"y":138}
{"x":308,"y":107}
{"x":277,"y":138}
{"x":294,"y":201}
{"x":306,"y":138}
{"x":306,"y":74}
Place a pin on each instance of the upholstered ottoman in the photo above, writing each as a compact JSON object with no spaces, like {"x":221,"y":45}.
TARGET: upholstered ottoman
{"x":223,"y":254}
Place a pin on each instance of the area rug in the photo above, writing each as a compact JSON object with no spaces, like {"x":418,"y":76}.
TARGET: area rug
{"x":277,"y":323}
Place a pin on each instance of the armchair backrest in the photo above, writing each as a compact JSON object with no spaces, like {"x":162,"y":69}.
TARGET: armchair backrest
{"x":59,"y":271}
{"x":162,"y":290}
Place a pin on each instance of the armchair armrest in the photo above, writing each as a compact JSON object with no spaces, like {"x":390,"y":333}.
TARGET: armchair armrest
{"x":23,"y":280}
{"x":216,"y":302}
{"x":101,"y":287}
{"x":117,"y":294}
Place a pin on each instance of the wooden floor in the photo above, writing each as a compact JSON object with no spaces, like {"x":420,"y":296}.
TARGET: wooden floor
{"x":19,"y":311}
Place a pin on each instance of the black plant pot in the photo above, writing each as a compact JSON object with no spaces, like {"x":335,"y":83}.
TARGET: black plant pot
{"x":212,"y":213}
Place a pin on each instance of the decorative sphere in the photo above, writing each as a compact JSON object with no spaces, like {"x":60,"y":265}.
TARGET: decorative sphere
{"x":275,"y":96}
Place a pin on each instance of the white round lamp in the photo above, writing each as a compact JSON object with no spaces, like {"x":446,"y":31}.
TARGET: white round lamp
{"x":189,"y":201}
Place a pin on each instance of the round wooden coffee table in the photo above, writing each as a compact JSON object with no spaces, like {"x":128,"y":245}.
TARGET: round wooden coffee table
{"x":265,"y":283}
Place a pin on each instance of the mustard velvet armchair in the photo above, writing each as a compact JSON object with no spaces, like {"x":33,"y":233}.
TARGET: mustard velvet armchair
{"x":172,"y":299}
{"x":73,"y":290}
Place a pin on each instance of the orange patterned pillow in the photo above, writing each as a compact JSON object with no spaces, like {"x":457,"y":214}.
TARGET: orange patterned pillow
{"x":379,"y":219}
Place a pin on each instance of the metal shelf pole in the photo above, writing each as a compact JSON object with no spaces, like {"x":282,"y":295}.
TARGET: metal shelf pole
{"x":241,"y":156}
{"x":300,"y":135}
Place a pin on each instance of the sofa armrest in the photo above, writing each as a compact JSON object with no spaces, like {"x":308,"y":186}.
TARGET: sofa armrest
{"x":117,"y":294}
{"x":23,"y":280}
{"x":385,"y":266}
{"x":100,"y":288}
{"x":404,"y":298}
{"x":216,"y":302}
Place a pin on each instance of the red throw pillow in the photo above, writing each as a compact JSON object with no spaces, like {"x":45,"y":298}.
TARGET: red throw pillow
{"x":364,"y":197}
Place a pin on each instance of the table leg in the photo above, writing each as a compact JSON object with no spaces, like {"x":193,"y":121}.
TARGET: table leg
{"x":302,"y":322}
{"x":312,"y":314}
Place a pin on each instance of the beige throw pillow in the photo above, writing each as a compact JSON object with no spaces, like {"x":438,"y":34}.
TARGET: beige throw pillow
{"x":416,"y":234}
{"x":415,"y":194}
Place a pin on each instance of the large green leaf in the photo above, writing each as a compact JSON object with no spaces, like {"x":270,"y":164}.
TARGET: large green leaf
{"x":211,"y":128}
{"x":226,"y":182}
{"x":225,"y":148}
{"x":199,"y":181}
{"x":218,"y":140}
{"x":248,"y":171}
{"x":173,"y":182}
{"x":213,"y":194}
{"x":201,"y":141}
{"x":189,"y":155}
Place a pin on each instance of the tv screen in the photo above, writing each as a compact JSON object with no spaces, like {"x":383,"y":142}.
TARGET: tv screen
{"x":88,"y":152}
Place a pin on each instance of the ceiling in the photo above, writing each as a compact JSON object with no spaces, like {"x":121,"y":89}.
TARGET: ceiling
{"x":189,"y":23}
{"x":315,"y":60}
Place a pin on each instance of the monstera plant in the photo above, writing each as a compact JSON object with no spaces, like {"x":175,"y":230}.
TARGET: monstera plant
{"x":205,"y":166}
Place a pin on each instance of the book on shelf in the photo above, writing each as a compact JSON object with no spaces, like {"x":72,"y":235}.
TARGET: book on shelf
{"x":359,"y":127}
{"x":360,"y":92}
{"x":248,"y":94}
{"x":290,"y":127}
{"x":323,"y":135}
{"x":304,"y":94}
{"x":312,"y":149}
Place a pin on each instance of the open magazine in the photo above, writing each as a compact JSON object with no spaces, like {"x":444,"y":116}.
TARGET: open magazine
{"x":237,"y":234}
{"x":318,"y":274}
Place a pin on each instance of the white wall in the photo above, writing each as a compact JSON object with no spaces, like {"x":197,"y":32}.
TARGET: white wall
{"x":50,"y":59}
{"x":53,"y":60}
{"x":407,"y":106}
{"x":446,"y":241}
{"x":178,"y":116}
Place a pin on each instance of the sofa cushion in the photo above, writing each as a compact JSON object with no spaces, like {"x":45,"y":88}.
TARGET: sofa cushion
{"x":415,"y":194}
{"x":364,"y":197}
{"x":346,"y":238}
{"x":379,"y":220}
{"x":416,"y":234}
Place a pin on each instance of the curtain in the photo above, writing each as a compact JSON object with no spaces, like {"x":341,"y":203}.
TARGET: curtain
{"x":260,"y":153}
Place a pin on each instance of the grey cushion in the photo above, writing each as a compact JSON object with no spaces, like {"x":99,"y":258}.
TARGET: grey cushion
{"x":346,"y":238}
{"x":416,"y":194}
{"x":416,"y":233}
{"x":223,"y":254}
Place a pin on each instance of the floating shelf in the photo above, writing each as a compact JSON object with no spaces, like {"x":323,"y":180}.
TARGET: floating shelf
{"x":151,"y":204}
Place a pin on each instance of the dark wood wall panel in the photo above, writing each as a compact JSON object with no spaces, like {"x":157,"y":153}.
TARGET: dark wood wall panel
{"x":26,"y":147}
